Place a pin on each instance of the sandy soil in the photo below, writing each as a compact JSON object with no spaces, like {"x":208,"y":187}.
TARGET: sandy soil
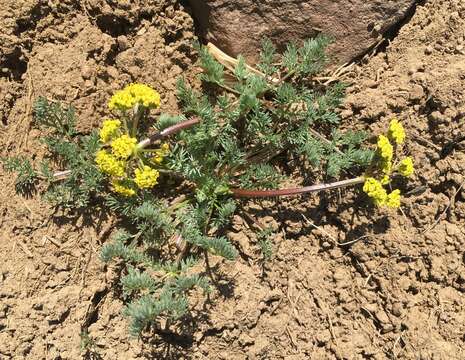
{"x":395,"y":291}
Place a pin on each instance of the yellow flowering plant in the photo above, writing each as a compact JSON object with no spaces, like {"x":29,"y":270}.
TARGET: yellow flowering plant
{"x":146,"y":177}
{"x":125,"y":160}
{"x":135,"y":95}
{"x":222,"y":151}
{"x":109,"y":130}
{"x":386,"y":165}
{"x":396,"y":132}
{"x":405,"y":167}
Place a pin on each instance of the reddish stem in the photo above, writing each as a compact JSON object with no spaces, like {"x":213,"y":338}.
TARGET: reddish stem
{"x":244,"y":193}
{"x":169,"y":131}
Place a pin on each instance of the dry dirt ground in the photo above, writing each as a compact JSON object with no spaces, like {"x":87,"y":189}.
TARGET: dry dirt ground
{"x":395,"y":290}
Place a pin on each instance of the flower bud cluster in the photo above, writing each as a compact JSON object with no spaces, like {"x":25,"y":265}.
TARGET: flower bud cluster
{"x":129,"y":167}
{"x":385,"y":167}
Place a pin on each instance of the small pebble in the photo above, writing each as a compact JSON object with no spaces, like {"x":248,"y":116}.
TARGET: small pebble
{"x":372,"y":308}
{"x":397,"y":309}
{"x":417,"y":92}
{"x":382,"y":317}
{"x":245,"y":339}
{"x":86,"y":71}
{"x":142,"y":31}
{"x":123,"y":42}
{"x":371,"y":265}
{"x":89,"y":84}
{"x":112,"y":72}
{"x":326,"y":245}
{"x":412,"y":70}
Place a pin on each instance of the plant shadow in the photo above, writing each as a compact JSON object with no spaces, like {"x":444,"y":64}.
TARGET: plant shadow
{"x":167,"y":345}
{"x":325,"y":209}
{"x":95,"y":215}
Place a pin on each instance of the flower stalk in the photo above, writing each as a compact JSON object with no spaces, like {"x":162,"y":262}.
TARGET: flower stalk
{"x":61,"y":175}
{"x":168,"y":131}
{"x":246,"y":193}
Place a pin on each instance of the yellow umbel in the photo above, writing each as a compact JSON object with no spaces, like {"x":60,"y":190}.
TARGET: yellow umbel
{"x":134,"y":94}
{"x":146,"y":177}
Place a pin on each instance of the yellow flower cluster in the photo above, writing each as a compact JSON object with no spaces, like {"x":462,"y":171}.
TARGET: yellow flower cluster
{"x":120,"y":188}
{"x":393,"y":199}
{"x":406,"y":167}
{"x":109,"y":130}
{"x":121,"y":154}
{"x":384,"y":161}
{"x":377,"y":192}
{"x":134,"y":94}
{"x":110,"y":165}
{"x":396,"y":131}
{"x":146,"y":177}
{"x":161,"y":153}
{"x":385,"y":152}
{"x":385,"y":148}
{"x":124,"y":146}
{"x":386,"y":179}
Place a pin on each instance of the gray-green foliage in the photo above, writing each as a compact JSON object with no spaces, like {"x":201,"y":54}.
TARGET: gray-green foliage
{"x":260,"y":116}
{"x":26,"y":175}
{"x":153,"y":288}
{"x":165,"y":295}
{"x":265,"y":243}
{"x":68,"y":149}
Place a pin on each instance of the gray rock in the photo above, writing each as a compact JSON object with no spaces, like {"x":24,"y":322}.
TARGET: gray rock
{"x":238,"y":26}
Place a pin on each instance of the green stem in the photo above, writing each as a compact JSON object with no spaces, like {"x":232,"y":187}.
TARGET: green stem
{"x":169,"y":172}
{"x":138,"y":111}
{"x":287,"y":76}
{"x":228,"y":88}
{"x":172,"y":208}
{"x":125,"y":123}
{"x":146,"y":150}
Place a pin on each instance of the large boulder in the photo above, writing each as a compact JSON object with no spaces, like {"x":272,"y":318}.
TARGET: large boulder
{"x":238,"y":26}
